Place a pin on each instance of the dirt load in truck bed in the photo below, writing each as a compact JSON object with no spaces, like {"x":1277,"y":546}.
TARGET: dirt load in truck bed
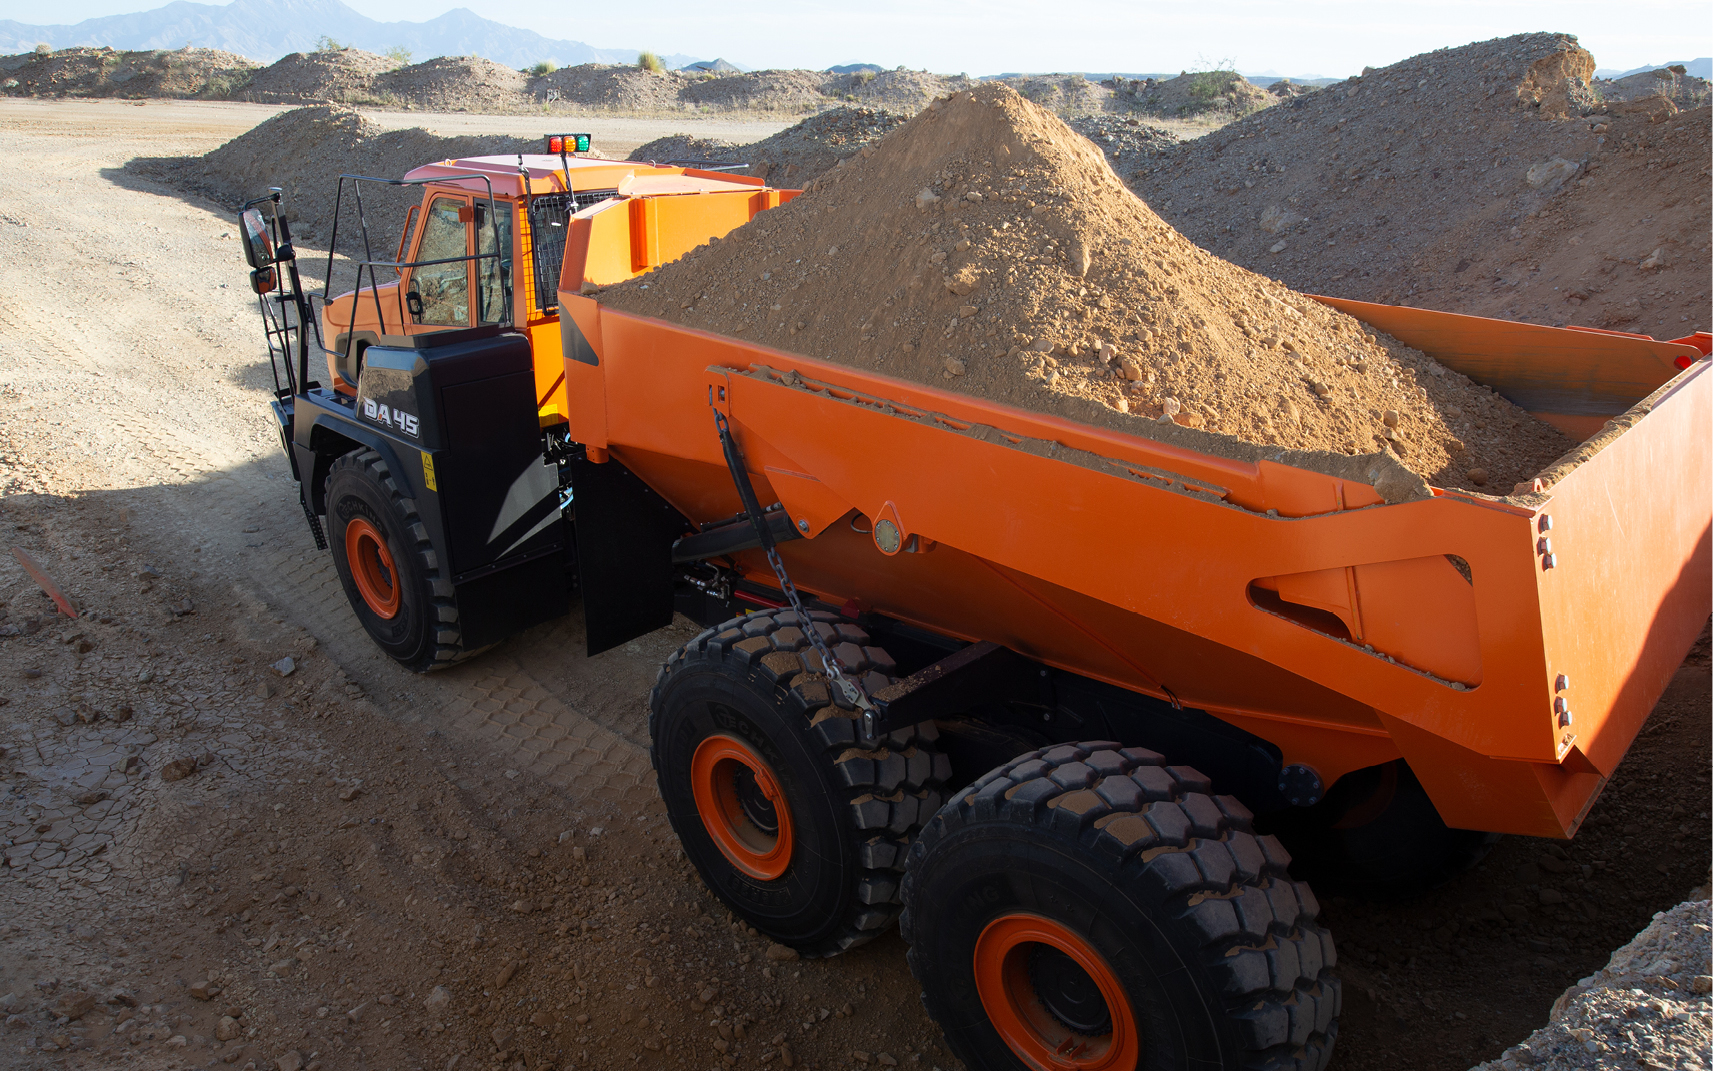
{"x":986,"y":247}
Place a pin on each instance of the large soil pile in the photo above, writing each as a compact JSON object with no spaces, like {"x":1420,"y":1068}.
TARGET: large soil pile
{"x":455,"y":84}
{"x":341,"y":75}
{"x":799,"y":154}
{"x":1063,"y":94}
{"x":304,"y":152}
{"x":1483,"y":179}
{"x":902,"y":91}
{"x":986,"y":247}
{"x":1191,"y":94}
{"x":758,"y":91}
{"x":104,"y":72}
{"x":620,"y":87}
{"x":1673,"y":83}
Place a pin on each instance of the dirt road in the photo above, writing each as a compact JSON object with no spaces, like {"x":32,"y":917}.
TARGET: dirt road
{"x":350,"y":866}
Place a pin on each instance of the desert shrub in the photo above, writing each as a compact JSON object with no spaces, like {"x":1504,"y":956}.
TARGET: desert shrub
{"x":399,"y":55}
{"x":42,"y":48}
{"x":545,"y":67}
{"x":650,"y":62}
{"x":864,"y":77}
{"x":325,"y":43}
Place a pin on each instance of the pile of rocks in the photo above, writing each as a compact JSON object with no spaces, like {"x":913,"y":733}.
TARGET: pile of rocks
{"x":1649,"y":1007}
{"x":1128,"y":142}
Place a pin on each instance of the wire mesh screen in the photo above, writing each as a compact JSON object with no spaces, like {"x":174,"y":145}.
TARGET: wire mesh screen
{"x":548,"y":216}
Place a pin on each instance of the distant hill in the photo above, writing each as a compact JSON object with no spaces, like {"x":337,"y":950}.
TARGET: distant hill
{"x":1699,"y":68}
{"x":853,"y":68}
{"x":265,"y":30}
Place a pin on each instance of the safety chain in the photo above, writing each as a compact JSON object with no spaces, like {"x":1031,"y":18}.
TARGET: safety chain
{"x":849,"y":690}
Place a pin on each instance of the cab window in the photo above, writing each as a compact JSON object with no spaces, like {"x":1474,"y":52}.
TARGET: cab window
{"x":493,"y":276}
{"x":441,"y":292}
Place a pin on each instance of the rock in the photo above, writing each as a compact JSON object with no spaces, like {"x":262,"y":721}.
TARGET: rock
{"x":522,"y":907}
{"x":1701,"y":984}
{"x":437,"y":997}
{"x":178,"y":1041}
{"x":1189,"y":419}
{"x":283,"y":966}
{"x":121,"y":997}
{"x":290,"y":1060}
{"x":178,"y":769}
{"x":1653,"y":260}
{"x":966,"y":311}
{"x":1122,"y":404}
{"x":204,"y":990}
{"x":885,"y":1059}
{"x":1130,"y":370}
{"x":1551,"y":896}
{"x":1081,"y":259}
{"x":507,"y":973}
{"x":781,"y":953}
{"x":1549,"y":175}
{"x":1277,"y":247}
{"x":707,"y":996}
{"x":502,"y":1036}
{"x":74,"y":1005}
{"x":1478,"y":477}
{"x":1170,"y":406}
{"x":285,"y":667}
{"x":786,"y":1057}
{"x":349,"y":793}
{"x":1389,"y":418}
{"x":227,"y":1029}
{"x":954,"y":367}
{"x":927,"y":198}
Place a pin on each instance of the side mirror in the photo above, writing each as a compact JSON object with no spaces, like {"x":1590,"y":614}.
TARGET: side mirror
{"x":264,"y":280}
{"x":413,"y":302}
{"x":258,"y":244}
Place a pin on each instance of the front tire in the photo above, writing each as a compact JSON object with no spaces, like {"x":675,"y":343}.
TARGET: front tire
{"x":798,"y":830}
{"x":1088,"y":908}
{"x":389,"y":566}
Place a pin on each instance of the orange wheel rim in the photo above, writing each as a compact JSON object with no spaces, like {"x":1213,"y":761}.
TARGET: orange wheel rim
{"x":741,"y":806}
{"x":1043,"y":987}
{"x":372,"y":568}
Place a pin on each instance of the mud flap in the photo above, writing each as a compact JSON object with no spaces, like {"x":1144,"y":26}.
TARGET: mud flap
{"x":625,"y":534}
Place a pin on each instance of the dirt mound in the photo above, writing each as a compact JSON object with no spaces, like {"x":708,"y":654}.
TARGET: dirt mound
{"x":620,"y":87}
{"x":986,"y":247}
{"x":1219,"y":93}
{"x":1465,"y":180}
{"x":1062,"y":94}
{"x":306,"y":150}
{"x":343,"y":75}
{"x":1286,"y":89}
{"x":456,"y":84}
{"x":686,"y":148}
{"x":758,"y":91}
{"x":906,"y":92}
{"x":802,"y":153}
{"x":104,"y":72}
{"x":1673,"y":83}
{"x":1128,"y":143}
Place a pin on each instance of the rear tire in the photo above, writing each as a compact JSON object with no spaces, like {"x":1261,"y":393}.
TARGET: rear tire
{"x":389,"y":566}
{"x":796,"y":829}
{"x":1088,"y":908}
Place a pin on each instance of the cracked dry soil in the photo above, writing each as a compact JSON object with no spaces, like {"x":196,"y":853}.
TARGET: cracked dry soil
{"x":365,"y":869}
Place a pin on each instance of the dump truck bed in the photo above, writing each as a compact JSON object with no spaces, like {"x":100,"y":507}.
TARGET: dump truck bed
{"x":1511,"y":672}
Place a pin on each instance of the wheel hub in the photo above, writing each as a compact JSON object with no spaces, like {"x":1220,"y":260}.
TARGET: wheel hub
{"x":1052,"y":997}
{"x":741,"y":806}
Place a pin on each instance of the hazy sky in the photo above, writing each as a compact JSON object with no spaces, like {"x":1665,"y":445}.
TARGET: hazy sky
{"x":1305,"y":37}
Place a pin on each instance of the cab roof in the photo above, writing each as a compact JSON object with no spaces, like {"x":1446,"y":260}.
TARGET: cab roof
{"x":547,"y":174}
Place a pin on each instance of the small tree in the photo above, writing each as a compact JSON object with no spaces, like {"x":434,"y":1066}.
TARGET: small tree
{"x":399,"y":55}
{"x":544,"y":68}
{"x":651,"y":63}
{"x":325,"y":43}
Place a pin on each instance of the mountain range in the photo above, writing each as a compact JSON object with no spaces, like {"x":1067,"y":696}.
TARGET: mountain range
{"x":265,"y":30}
{"x":1699,"y":68}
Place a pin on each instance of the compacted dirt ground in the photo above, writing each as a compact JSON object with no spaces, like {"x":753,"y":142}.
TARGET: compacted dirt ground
{"x":214,"y":856}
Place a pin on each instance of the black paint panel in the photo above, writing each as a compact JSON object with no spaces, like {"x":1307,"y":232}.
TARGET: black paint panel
{"x":625,"y":534}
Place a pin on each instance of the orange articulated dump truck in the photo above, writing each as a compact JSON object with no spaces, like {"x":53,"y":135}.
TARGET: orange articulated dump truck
{"x":1059,"y":696}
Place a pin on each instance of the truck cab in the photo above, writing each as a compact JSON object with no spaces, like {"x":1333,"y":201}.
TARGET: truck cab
{"x":446,"y":276}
